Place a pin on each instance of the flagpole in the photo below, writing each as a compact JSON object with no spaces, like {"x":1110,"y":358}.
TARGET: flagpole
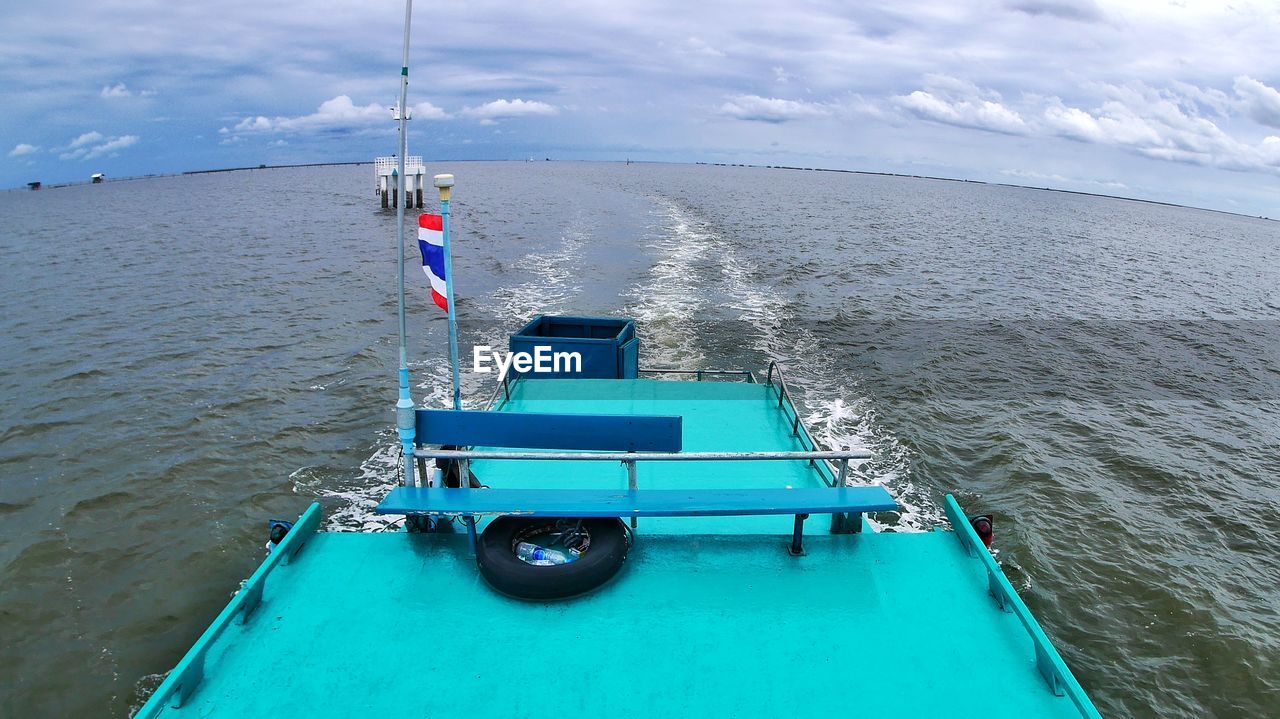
{"x":445,"y":184}
{"x":406,"y":418}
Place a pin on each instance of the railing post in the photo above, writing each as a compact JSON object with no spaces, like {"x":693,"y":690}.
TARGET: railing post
{"x":844,"y":473}
{"x":797,"y":537}
{"x":631,"y":482}
{"x":464,"y":482}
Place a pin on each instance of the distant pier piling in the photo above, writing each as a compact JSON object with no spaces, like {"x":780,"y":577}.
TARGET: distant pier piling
{"x":388,"y":186}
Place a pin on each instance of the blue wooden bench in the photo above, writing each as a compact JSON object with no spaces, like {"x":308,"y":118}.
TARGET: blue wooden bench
{"x":546,"y":430}
{"x":635,"y":503}
{"x":603,"y":433}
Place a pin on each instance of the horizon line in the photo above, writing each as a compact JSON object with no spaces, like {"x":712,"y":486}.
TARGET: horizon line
{"x":1046,"y":188}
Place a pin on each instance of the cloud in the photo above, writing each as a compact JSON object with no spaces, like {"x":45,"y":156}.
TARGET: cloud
{"x":957,"y":102}
{"x":658,"y":66}
{"x":1174,"y":123}
{"x":121,"y":90}
{"x":23,"y":148}
{"x":252,"y":124}
{"x":502,"y":109}
{"x":1054,"y":177}
{"x":1259,"y":101}
{"x":770,"y":109}
{"x":427,"y":111}
{"x":111,"y":146}
{"x":333,"y":116}
{"x":1163,"y":124}
{"x":1079,"y":10}
{"x":699,"y":47}
{"x":85,"y":139}
{"x":92,"y":145}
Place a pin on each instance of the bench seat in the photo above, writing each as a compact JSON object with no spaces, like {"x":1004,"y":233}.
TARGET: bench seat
{"x":635,"y":503}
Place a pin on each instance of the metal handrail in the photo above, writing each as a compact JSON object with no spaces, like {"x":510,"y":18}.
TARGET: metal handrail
{"x":699,"y":372}
{"x":839,"y":473}
{"x":457,"y":454}
{"x":629,"y":459}
{"x":783,"y":391}
{"x":502,"y":386}
{"x":837,"y":463}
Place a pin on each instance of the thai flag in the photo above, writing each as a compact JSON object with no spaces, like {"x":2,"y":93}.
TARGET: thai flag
{"x":431,"y":242}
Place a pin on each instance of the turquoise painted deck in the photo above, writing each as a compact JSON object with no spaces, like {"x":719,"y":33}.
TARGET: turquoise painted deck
{"x":718,"y":417}
{"x":402,"y":625}
{"x":710,"y":616}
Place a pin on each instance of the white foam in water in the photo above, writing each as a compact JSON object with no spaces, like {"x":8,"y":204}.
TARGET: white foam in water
{"x":669,"y":300}
{"x":553,"y":289}
{"x":353,"y":500}
{"x":356,"y":499}
{"x":841,"y":418}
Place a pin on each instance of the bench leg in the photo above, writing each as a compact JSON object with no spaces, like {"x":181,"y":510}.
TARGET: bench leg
{"x":846,"y":523}
{"x":471,"y":534}
{"x":797,"y":537}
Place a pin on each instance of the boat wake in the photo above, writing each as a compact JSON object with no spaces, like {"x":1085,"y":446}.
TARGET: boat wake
{"x":669,"y":301}
{"x":697,"y":280}
{"x":551,"y":288}
{"x":548,"y":288}
{"x":700,"y":263}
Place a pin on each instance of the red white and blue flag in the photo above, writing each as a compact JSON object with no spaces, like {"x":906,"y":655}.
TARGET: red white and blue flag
{"x":431,"y":242}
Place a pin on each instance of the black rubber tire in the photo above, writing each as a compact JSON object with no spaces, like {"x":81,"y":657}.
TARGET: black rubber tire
{"x":507,"y":573}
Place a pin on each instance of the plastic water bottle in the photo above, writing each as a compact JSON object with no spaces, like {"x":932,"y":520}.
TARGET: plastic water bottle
{"x":541,"y":556}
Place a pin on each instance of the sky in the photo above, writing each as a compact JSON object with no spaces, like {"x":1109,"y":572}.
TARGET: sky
{"x":1171,"y":101}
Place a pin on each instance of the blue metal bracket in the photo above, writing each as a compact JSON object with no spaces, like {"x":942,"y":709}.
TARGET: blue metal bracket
{"x":1047,"y":660}
{"x":178,"y":687}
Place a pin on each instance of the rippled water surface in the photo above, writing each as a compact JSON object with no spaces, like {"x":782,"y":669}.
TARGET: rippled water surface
{"x":182,"y":358}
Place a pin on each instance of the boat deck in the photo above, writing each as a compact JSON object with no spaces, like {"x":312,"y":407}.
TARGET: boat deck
{"x":718,"y":417}
{"x":395,"y":624}
{"x":709,"y":616}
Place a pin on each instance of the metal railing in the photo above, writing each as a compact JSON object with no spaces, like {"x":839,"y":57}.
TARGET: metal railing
{"x":179,"y":685}
{"x":412,"y":163}
{"x":839,"y":474}
{"x":629,"y":459}
{"x":700,"y":373}
{"x":1049,"y":663}
{"x":836,"y":464}
{"x":460,"y":454}
{"x":504,"y":388}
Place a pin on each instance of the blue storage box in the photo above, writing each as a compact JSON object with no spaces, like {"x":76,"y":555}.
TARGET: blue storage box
{"x":608,"y":346}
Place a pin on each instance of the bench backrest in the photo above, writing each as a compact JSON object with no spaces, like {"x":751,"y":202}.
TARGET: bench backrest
{"x":538,"y":430}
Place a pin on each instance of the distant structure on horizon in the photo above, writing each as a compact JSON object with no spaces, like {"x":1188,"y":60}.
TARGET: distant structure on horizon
{"x":387,"y":181}
{"x":97,"y":177}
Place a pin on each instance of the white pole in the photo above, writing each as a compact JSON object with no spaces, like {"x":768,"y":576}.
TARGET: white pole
{"x":406,"y":419}
{"x":445,"y":185}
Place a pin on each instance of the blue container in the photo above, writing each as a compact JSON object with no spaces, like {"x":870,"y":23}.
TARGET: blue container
{"x":607,"y":347}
